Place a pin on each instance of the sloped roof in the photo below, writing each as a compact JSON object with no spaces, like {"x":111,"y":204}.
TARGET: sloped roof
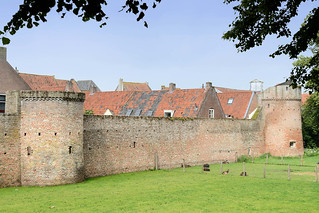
{"x":132,"y":86}
{"x":284,"y":83}
{"x":86,"y":85}
{"x":184,"y":102}
{"x":99,"y":102}
{"x":225,"y":90}
{"x":10,"y":79}
{"x":240,"y":104}
{"x":47,"y":83}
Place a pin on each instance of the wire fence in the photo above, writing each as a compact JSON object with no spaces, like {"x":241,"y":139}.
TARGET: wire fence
{"x":270,"y":168}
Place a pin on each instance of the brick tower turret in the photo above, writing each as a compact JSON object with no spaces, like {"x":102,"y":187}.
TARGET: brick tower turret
{"x":282,"y":115}
{"x":51,"y":138}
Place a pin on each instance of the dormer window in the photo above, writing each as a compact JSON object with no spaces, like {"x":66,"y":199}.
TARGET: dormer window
{"x":211,"y":113}
{"x":2,"y":103}
{"x":168,"y":113}
{"x":128,"y":112}
{"x":230,"y":100}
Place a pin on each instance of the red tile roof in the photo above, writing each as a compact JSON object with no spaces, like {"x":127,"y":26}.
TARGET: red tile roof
{"x":99,"y":102}
{"x":132,"y":86}
{"x":225,"y":90}
{"x":184,"y":102}
{"x":47,"y":83}
{"x":239,"y":105}
{"x":304,"y":98}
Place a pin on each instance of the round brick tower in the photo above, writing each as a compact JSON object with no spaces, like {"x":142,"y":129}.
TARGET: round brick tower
{"x":282,"y":115}
{"x":51,"y":138}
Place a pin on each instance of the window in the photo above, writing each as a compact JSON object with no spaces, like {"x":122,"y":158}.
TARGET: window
{"x":292,"y":144}
{"x":2,"y":103}
{"x":138,"y":112}
{"x":29,"y":150}
{"x":128,"y":112}
{"x":168,"y":113}
{"x":211,"y":113}
{"x":230,"y":100}
{"x":149,"y":113}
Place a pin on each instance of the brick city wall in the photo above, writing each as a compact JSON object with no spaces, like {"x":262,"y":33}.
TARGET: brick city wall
{"x":9,"y":150}
{"x":125,"y":144}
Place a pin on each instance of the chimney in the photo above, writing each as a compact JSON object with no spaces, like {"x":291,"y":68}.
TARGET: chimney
{"x":208,"y":85}
{"x":69,"y":86}
{"x":171,"y":87}
{"x":3,"y":53}
{"x":163,"y":87}
{"x":121,"y":86}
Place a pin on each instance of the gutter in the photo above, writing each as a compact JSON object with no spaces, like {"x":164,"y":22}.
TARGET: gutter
{"x":251,"y":100}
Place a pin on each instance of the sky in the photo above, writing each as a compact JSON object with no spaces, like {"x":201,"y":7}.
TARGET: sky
{"x":182,"y":45}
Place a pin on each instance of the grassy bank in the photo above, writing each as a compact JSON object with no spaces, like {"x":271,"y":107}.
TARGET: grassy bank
{"x":175,"y":191}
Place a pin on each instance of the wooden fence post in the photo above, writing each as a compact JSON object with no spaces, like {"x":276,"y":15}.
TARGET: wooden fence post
{"x":221,"y":167}
{"x":316,"y":173}
{"x":156,"y":161}
{"x":244,"y":167}
{"x":267,"y":158}
{"x":264,"y":170}
{"x":183,"y":165}
{"x":282,"y":159}
{"x":288,"y":172}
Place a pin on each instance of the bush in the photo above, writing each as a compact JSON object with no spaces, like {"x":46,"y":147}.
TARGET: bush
{"x":88,"y":112}
{"x":243,"y":158}
{"x":311,"y":152}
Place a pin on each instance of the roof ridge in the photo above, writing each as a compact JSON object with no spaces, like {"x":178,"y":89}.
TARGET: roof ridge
{"x":134,"y":83}
{"x":36,"y":74}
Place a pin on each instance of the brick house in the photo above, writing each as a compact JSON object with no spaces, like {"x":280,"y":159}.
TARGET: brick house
{"x":9,"y":80}
{"x":239,"y":104}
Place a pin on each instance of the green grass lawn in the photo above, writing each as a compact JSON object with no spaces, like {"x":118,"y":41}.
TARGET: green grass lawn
{"x":175,"y":191}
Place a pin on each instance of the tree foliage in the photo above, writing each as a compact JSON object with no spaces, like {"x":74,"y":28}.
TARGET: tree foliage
{"x":310,"y":121}
{"x":257,"y":19}
{"x":306,"y":64}
{"x":32,"y":12}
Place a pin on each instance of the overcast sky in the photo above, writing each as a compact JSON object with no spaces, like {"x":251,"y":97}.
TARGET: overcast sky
{"x":183,"y":45}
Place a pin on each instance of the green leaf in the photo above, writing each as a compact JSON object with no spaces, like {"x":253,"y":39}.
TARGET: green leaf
{"x":5,"y":41}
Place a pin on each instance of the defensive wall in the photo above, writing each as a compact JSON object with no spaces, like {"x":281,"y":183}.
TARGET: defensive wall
{"x":125,"y":144}
{"x":46,"y":140}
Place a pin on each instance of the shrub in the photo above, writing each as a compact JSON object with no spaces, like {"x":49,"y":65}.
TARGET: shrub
{"x":243,"y":158}
{"x":88,"y":112}
{"x":311,"y":152}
